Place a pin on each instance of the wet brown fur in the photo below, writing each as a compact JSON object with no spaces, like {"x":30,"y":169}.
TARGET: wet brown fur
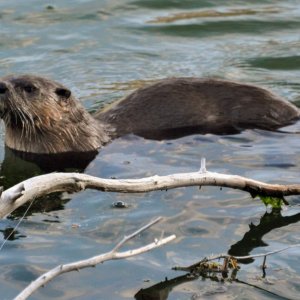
{"x":41,"y":121}
{"x":42,"y":116}
{"x":202,"y":105}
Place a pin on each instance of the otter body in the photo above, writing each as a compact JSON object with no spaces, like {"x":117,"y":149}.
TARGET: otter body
{"x":176,"y":106}
{"x":42,"y":116}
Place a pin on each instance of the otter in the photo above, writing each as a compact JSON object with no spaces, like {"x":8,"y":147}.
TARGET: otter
{"x":42,"y":116}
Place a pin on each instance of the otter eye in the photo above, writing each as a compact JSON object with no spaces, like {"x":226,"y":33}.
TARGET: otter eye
{"x":29,"y":88}
{"x":65,"y":93}
{"x":3,"y":88}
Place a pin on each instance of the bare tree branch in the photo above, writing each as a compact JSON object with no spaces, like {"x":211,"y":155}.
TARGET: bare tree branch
{"x":41,"y":185}
{"x":93,"y":261}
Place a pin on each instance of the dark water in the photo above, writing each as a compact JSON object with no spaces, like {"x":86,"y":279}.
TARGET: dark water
{"x":104,"y":49}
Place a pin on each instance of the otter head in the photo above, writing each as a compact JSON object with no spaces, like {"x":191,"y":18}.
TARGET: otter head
{"x":42,"y":116}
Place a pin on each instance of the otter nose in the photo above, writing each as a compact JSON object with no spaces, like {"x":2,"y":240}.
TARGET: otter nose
{"x":3,"y":88}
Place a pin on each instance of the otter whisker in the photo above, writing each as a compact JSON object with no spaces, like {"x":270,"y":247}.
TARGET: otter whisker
{"x":23,"y":117}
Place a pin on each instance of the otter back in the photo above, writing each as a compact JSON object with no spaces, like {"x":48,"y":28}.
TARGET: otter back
{"x":180,"y":106}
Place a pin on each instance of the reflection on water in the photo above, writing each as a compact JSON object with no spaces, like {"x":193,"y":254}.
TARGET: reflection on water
{"x":254,"y":237}
{"x":103,"y":50}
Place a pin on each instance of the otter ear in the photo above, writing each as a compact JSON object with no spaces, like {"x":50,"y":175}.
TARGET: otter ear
{"x":63,"y":93}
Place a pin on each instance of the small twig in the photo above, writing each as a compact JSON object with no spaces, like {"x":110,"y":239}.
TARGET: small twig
{"x":264,"y":266}
{"x":203,"y":165}
{"x":134,"y":234}
{"x":93,"y":261}
{"x":264,"y":263}
{"x":265,"y":254}
{"x":18,"y":224}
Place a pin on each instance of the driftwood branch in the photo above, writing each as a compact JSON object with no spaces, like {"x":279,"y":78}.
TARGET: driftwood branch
{"x":93,"y":261}
{"x":221,"y":268}
{"x":226,"y":257}
{"x":41,"y":185}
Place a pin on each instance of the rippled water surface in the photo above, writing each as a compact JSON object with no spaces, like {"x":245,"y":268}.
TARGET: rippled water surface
{"x":103,"y":50}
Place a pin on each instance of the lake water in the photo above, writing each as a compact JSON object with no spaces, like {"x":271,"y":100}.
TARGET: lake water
{"x":103,"y":50}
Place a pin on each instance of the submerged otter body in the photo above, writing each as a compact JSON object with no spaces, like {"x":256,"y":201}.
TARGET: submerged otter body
{"x":42,"y":116}
{"x":179,"y":106}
